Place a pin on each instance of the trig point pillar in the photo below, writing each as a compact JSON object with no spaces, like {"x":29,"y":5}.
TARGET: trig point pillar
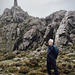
{"x":15,"y":3}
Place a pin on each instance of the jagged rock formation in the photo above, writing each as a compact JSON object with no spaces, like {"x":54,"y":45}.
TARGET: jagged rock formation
{"x":66,"y":31}
{"x":53,"y":23}
{"x":19,"y":30}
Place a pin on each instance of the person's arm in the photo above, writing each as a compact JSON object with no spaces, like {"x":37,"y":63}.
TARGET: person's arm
{"x":56,"y":51}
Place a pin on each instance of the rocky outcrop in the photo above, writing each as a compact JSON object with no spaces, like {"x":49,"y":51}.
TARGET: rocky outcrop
{"x":20,"y":31}
{"x":66,"y":32}
{"x":53,"y":22}
{"x":11,"y":25}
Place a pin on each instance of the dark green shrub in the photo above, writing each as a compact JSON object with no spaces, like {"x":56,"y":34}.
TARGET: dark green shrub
{"x":9,"y":56}
{"x":4,"y":66}
{"x":17,"y":64}
{"x":12,"y":69}
{"x":44,"y":69}
{"x":35,"y":72}
{"x":2,"y":58}
{"x":24,"y":69}
{"x":33,"y":62}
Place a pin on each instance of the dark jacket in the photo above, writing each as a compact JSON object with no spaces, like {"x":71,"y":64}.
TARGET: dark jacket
{"x":51,"y":53}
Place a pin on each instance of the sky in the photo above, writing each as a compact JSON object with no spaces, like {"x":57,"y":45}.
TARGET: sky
{"x":39,"y":8}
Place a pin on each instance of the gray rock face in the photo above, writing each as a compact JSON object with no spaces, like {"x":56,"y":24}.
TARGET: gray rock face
{"x":53,"y":22}
{"x":29,"y":37}
{"x":18,"y":14}
{"x":15,"y":14}
{"x":20,"y":31}
{"x":66,"y":31}
{"x":55,"y":17}
{"x":6,"y":16}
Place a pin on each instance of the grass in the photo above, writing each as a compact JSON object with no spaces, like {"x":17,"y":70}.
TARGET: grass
{"x":36,"y":65}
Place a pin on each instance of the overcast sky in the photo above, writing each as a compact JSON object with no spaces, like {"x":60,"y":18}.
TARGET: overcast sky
{"x":39,"y":8}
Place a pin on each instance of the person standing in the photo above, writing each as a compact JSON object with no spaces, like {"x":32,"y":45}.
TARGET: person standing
{"x":52,"y":54}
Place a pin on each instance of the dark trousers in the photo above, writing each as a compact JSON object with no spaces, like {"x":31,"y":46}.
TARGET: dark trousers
{"x":53,"y":64}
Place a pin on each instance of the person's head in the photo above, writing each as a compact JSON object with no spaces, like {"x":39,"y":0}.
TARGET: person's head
{"x":50,"y":42}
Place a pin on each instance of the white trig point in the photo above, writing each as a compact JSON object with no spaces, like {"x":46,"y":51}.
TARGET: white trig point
{"x":15,"y":3}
